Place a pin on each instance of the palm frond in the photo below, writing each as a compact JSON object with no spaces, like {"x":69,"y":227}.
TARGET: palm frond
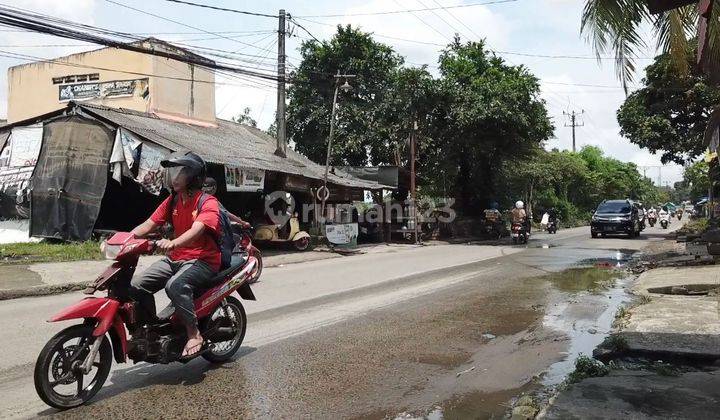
{"x":673,"y":29}
{"x":612,"y":26}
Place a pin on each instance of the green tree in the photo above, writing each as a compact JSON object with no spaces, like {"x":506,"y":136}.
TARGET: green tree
{"x":670,"y":113}
{"x":488,"y":112}
{"x":360,"y":131}
{"x":573,"y":183}
{"x":245,"y":118}
{"x":696,"y":177}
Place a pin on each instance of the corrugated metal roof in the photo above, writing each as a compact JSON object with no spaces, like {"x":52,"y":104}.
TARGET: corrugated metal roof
{"x":229,"y":143}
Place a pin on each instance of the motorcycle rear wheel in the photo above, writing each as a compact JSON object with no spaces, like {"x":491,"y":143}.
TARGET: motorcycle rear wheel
{"x":62,"y":364}
{"x":224,"y":351}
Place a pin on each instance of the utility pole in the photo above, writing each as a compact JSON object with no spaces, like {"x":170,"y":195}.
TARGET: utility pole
{"x":573,"y":123}
{"x":413,"y":198}
{"x":281,"y":135}
{"x":325,"y":194}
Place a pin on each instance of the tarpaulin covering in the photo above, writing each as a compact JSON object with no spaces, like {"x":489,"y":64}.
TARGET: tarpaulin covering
{"x":70,"y":177}
{"x":25,"y":145}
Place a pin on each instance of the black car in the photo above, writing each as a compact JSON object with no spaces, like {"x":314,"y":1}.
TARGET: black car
{"x":616,"y":217}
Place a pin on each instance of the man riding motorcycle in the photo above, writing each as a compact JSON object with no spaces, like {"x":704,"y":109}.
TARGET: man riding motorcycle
{"x":193,"y":256}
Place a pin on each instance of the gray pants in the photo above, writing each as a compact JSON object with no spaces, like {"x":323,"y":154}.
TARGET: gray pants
{"x":179,"y":278}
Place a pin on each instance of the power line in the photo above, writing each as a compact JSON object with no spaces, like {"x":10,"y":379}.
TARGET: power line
{"x":15,"y":18}
{"x":303,"y":28}
{"x":452,"y":15}
{"x":177,"y":22}
{"x":424,"y":9}
{"x":457,"y":31}
{"x":30,"y":58}
{"x":522,"y":54}
{"x":223,"y":9}
{"x":425,"y":23}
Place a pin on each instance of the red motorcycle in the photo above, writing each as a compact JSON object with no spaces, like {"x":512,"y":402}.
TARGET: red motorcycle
{"x":75,"y":363}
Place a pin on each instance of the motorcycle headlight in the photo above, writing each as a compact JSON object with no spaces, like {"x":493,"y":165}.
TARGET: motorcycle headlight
{"x":110,"y":251}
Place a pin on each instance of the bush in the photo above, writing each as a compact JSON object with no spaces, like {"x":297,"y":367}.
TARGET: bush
{"x":587,"y":367}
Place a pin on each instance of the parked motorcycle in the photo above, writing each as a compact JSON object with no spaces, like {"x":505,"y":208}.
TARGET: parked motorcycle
{"x":273,"y":234}
{"x":519,"y":233}
{"x":75,"y":363}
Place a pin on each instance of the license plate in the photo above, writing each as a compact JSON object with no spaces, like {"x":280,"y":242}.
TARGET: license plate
{"x":608,"y":228}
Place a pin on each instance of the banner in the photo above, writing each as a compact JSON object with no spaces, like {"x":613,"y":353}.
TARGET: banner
{"x":150,"y":173}
{"x":242,"y":179}
{"x":86,"y":91}
{"x":25,"y":145}
{"x":342,"y":234}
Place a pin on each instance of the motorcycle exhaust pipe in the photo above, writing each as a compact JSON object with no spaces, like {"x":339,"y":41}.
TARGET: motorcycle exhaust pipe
{"x":222,"y":334}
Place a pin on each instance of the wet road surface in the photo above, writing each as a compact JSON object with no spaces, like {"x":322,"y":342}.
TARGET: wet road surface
{"x":436,"y":331}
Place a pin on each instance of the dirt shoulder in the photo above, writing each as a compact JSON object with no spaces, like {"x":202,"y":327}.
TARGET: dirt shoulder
{"x":661,"y":359}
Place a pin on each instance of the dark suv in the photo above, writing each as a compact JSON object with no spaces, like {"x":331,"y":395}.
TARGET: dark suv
{"x":616,"y":216}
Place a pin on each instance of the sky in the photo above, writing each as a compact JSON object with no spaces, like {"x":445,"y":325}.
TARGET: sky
{"x":511,"y":28}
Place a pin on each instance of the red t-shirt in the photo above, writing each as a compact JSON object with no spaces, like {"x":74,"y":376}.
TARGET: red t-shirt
{"x":204,"y":248}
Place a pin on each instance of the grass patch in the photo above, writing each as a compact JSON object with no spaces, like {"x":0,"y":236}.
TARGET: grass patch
{"x":644,"y":300}
{"x":615,"y":342}
{"x":664,"y":369}
{"x":49,"y":252}
{"x":694,"y":227}
{"x":587,"y":367}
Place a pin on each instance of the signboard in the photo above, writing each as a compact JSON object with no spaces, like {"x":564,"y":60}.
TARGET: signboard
{"x":342,"y":234}
{"x":25,"y":145}
{"x":94,"y":90}
{"x":243,"y":179}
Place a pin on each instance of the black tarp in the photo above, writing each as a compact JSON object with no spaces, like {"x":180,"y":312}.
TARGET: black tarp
{"x":70,"y":178}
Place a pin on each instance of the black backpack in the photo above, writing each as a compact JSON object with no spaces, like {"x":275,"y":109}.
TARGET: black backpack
{"x":225,"y":241}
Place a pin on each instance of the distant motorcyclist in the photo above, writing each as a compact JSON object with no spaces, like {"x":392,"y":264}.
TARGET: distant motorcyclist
{"x":493,"y":214}
{"x":652,"y":213}
{"x":494,"y":224}
{"x":519,"y":215}
{"x":552,"y":214}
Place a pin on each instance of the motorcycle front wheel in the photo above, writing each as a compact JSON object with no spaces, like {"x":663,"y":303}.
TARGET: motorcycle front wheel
{"x":59,"y":379}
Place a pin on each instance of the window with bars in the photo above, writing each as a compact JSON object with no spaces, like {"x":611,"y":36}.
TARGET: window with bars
{"x":76,"y":78}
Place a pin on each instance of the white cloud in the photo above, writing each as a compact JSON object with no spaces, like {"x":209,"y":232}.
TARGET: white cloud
{"x":38,"y":45}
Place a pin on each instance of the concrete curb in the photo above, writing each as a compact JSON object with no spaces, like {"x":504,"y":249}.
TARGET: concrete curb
{"x":54,"y":289}
{"x":44,"y":290}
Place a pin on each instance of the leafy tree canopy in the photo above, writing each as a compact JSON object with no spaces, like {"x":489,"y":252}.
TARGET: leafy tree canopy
{"x":669,"y":114}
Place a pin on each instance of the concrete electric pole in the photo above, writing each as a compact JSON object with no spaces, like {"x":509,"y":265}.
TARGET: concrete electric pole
{"x":281,"y":135}
{"x":573,"y":123}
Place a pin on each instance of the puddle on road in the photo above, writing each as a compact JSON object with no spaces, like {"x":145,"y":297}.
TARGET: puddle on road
{"x":477,"y":405}
{"x":582,"y":279}
{"x":592,"y":297}
{"x":15,"y":276}
{"x":618,"y":259}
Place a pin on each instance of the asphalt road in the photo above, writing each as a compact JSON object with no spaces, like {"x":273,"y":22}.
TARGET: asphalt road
{"x":366,"y":336}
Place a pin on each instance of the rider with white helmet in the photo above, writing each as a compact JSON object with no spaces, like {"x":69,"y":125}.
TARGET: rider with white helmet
{"x":518,"y":213}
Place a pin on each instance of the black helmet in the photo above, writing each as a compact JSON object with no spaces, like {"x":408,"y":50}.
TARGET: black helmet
{"x":189,"y":160}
